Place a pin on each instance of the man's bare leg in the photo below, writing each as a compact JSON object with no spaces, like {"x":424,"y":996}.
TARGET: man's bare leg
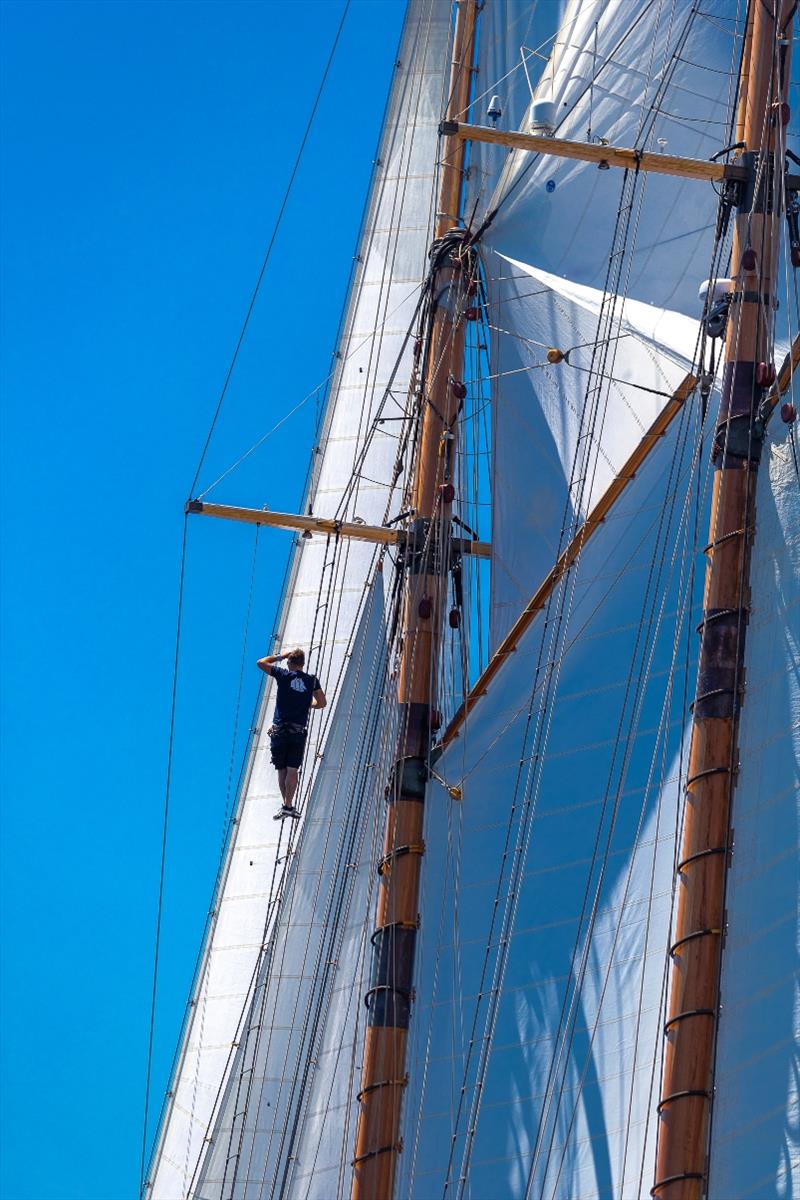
{"x":282,"y":784}
{"x":290,"y":786}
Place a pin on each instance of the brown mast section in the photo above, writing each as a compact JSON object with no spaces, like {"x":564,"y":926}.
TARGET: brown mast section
{"x":426,"y":560}
{"x":690,"y":1030}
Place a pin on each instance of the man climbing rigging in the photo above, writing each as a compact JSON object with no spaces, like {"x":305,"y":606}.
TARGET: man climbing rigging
{"x":297,"y":693}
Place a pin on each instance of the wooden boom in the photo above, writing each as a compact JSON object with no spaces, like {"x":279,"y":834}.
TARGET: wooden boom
{"x":386,"y":535}
{"x":630,"y":159}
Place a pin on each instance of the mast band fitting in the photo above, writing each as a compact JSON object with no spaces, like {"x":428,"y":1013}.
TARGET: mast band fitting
{"x":754,"y":298}
{"x":395,"y":1148}
{"x":421,"y":548}
{"x":393,"y":924}
{"x":382,"y":1083}
{"x":390,"y":993}
{"x":716,"y":614}
{"x":399,"y":852}
{"x":690,"y":1012}
{"x":704,"y":775}
{"x":670,"y":1179}
{"x":691,"y":858}
{"x":726,"y":537}
{"x":721,"y":673}
{"x":410,"y":779}
{"x":690,"y":937}
{"x":689,"y":1093}
{"x":740,"y":431}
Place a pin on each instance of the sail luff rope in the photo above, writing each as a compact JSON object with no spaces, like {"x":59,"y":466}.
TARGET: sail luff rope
{"x":225,"y":826}
{"x":271,"y":243}
{"x":162,"y":866}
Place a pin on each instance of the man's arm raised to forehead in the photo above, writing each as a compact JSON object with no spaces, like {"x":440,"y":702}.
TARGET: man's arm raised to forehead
{"x":266,"y":662}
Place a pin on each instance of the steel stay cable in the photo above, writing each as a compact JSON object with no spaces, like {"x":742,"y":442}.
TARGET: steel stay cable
{"x":268,"y":253}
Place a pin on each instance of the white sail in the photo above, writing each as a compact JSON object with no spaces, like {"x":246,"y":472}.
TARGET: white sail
{"x":655,"y":77}
{"x":755,"y":1128}
{"x":289,"y":1101}
{"x":534,"y":1061}
{"x":355,"y":465}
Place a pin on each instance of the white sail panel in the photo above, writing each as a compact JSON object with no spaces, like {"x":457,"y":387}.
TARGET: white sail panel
{"x":351,"y":479}
{"x":539,"y":414}
{"x":293,"y":1072}
{"x":546,"y":909}
{"x":755,"y":1131}
{"x":659,"y":77}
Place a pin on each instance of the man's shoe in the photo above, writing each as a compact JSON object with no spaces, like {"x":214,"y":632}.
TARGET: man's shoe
{"x":287,"y":810}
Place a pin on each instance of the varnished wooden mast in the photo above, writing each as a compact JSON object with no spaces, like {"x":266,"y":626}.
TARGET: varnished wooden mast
{"x":690,"y":1031}
{"x":389,"y":1000}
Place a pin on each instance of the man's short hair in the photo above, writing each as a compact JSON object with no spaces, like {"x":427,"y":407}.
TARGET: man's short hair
{"x":297,"y":655}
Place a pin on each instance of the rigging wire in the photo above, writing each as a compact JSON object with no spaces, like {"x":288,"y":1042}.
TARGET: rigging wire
{"x":271,"y":243}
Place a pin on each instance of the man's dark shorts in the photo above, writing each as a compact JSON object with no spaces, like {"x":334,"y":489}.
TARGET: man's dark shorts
{"x":287,"y":744}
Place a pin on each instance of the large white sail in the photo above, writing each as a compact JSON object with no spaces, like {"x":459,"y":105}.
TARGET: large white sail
{"x":755,"y":1128}
{"x":282,"y":1125}
{"x":536,"y":1036}
{"x":354,"y":470}
{"x":654,"y":77}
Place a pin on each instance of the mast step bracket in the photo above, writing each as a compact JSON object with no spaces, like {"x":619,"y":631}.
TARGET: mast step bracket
{"x":690,"y":937}
{"x":700,"y":854}
{"x":686,"y":1094}
{"x":394,"y":1148}
{"x":382,"y":1083}
{"x":655,"y":1190}
{"x":399,"y":852}
{"x":682,"y":1016}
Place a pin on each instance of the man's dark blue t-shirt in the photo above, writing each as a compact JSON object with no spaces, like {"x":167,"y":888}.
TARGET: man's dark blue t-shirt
{"x":295,"y":692}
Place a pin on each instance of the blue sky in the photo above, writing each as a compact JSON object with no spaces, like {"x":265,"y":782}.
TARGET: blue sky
{"x":146,"y":146}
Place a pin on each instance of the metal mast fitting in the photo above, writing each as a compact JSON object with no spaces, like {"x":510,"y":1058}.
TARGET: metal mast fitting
{"x":690,"y":1030}
{"x":390,"y":997}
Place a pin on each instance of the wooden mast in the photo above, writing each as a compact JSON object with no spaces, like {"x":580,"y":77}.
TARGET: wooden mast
{"x":690,"y":1030}
{"x":389,"y":999}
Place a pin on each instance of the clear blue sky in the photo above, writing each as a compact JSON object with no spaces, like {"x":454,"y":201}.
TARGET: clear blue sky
{"x":145,"y":149}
